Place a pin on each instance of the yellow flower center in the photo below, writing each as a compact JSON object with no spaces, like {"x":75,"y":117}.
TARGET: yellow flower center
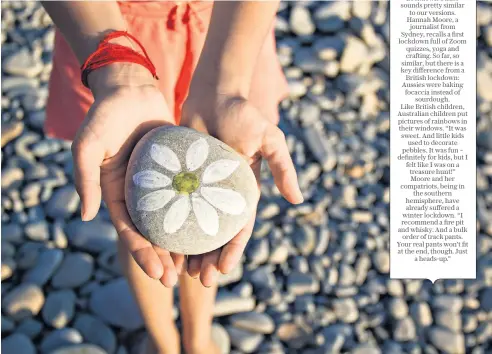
{"x":185,"y":182}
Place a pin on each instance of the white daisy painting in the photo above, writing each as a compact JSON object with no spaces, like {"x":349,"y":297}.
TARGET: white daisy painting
{"x":187,"y":190}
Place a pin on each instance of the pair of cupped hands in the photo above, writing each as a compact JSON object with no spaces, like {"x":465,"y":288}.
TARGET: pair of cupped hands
{"x":127,"y":105}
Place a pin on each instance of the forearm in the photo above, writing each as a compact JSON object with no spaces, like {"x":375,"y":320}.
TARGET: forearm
{"x":235,"y":37}
{"x":84,"y":23}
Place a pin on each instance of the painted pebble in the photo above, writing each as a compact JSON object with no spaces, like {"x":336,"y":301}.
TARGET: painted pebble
{"x":188,"y":192}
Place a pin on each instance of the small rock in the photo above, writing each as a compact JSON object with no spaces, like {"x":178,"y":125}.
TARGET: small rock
{"x":63,"y":203}
{"x":22,"y":63}
{"x":94,"y":236}
{"x":301,"y":22}
{"x":7,"y":325}
{"x":12,"y":177}
{"x":37,"y":231}
{"x":361,"y":8}
{"x":228,"y":303}
{"x":8,"y":267}
{"x":10,"y":131}
{"x":398,"y":308}
{"x":331,"y":16}
{"x":448,"y":302}
{"x":59,"y":308}
{"x":448,"y":319}
{"x":319,"y":146}
{"x":305,"y":240}
{"x":346,"y":310}
{"x":30,"y":327}
{"x":381,"y":261}
{"x":221,"y":338}
{"x":114,"y":303}
{"x":294,"y":335}
{"x":253,"y":321}
{"x":354,"y":55}
{"x":47,"y":263}
{"x":82,"y":349}
{"x":329,"y":47}
{"x":245,"y":341}
{"x":23,"y":301}
{"x":404,"y":330}
{"x":486,"y":299}
{"x":11,"y":232}
{"x":233,"y":276}
{"x":346,"y":276}
{"x":446,"y":340}
{"x":60,"y":338}
{"x":300,"y":283}
{"x":17,"y":344}
{"x":95,"y":332}
{"x":421,"y":313}
{"x":75,"y":270}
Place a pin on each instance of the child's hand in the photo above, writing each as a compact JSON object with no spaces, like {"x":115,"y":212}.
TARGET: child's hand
{"x":236,"y":122}
{"x":127,"y":105}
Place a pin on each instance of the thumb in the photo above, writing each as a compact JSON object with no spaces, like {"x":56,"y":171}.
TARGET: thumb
{"x":88,"y":156}
{"x":274,"y":149}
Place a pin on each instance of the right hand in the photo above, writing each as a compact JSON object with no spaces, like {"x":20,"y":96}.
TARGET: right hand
{"x":127,"y":105}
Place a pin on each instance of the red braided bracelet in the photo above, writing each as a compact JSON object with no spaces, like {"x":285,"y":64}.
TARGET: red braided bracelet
{"x":108,"y":53}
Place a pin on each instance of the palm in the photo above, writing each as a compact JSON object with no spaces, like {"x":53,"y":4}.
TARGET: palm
{"x":114,"y":124}
{"x":237,"y":123}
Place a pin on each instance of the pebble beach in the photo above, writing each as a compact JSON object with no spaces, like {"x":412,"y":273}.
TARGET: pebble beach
{"x":314,"y":277}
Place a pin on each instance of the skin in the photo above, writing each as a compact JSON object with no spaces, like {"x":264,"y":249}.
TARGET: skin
{"x":217,"y":104}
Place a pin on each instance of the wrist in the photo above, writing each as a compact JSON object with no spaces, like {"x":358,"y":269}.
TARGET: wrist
{"x":119,"y":74}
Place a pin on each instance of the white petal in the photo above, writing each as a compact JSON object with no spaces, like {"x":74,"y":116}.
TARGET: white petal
{"x":165,"y":157}
{"x":219,"y":170}
{"x":177,"y":214}
{"x":207,"y":216}
{"x":197,"y":154}
{"x":151,"y":179}
{"x":226,"y":200}
{"x":155,"y":200}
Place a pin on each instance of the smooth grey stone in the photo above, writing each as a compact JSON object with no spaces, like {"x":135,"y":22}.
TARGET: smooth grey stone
{"x":93,"y":236}
{"x":448,"y":319}
{"x":75,"y":270}
{"x":12,"y":233}
{"x":47,"y":263}
{"x":60,"y":338}
{"x":245,"y":341}
{"x":301,"y":22}
{"x":30,"y":327}
{"x":12,"y":177}
{"x":329,"y":47}
{"x":331,"y":16}
{"x":404,"y":330}
{"x":320,"y":147}
{"x":96,"y":332}
{"x":253,"y":321}
{"x":37,"y":231}
{"x":22,"y":63}
{"x":17,"y":344}
{"x":114,"y":303}
{"x":448,"y":302}
{"x":300,"y":283}
{"x":228,"y":303}
{"x":233,"y":276}
{"x":80,"y":349}
{"x":59,"y":308}
{"x":23,"y":301}
{"x":446,"y":340}
{"x":63,"y":203}
{"x":486,"y":299}
{"x":7,"y":325}
{"x":346,"y":309}
{"x":398,"y":307}
{"x":221,"y":338}
{"x":188,"y":192}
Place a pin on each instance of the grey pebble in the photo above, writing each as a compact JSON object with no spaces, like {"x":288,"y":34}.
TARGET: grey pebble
{"x":96,"y":332}
{"x":253,"y":321}
{"x":23,"y":64}
{"x":221,"y":338}
{"x":17,"y":344}
{"x":246,"y":341}
{"x":30,"y":327}
{"x":63,"y":203}
{"x":75,"y":270}
{"x":446,"y":340}
{"x":301,"y":22}
{"x":80,"y":349}
{"x":37,"y":231}
{"x":228,"y":303}
{"x":59,"y":308}
{"x":346,"y":309}
{"x":23,"y":301}
{"x":47,"y":263}
{"x":94,"y":236}
{"x":60,"y":338}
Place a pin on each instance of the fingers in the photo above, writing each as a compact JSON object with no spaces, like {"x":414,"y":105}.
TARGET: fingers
{"x":88,"y":156}
{"x":233,"y":250}
{"x":169,"y":276}
{"x":209,"y":272}
{"x":274,"y":149}
{"x":194,"y":265}
{"x":141,"y":250}
{"x":180,"y":264}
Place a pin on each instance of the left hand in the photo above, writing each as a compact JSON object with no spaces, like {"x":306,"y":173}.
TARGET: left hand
{"x":233,"y":120}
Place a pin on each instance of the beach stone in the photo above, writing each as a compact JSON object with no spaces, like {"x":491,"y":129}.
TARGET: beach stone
{"x":95,"y":332}
{"x":17,"y":344}
{"x":7,"y":325}
{"x":247,"y":342}
{"x":30,"y":327}
{"x":63,"y":203}
{"x":23,"y":301}
{"x":446,"y":340}
{"x":221,"y":338}
{"x":59,"y":308}
{"x":114,"y":303}
{"x":301,"y":22}
{"x":254,"y":322}
{"x":47,"y":263}
{"x":228,"y":303}
{"x":75,"y":270}
{"x":188,"y":192}
{"x":60,"y":338}
{"x":22,"y":63}
{"x":93,"y":236}
{"x":80,"y":349}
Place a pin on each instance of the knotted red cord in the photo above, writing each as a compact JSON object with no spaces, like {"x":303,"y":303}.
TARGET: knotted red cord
{"x":108,"y":53}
